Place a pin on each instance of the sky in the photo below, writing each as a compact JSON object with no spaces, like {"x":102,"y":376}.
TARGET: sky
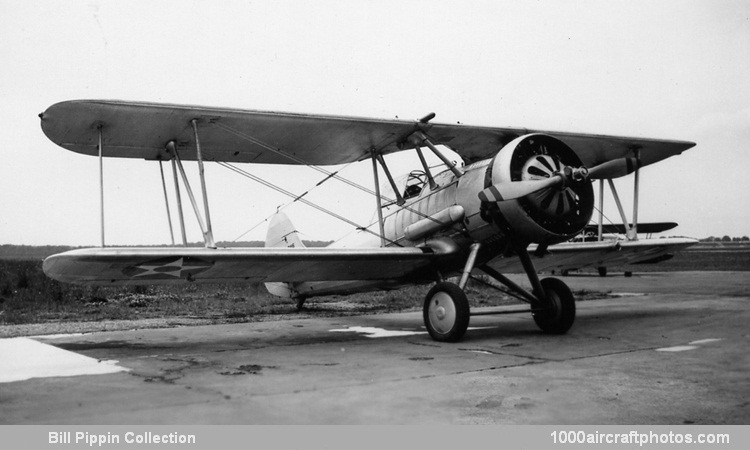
{"x":659,"y":69}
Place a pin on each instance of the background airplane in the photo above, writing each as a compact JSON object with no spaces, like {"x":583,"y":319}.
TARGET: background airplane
{"x":515,"y":195}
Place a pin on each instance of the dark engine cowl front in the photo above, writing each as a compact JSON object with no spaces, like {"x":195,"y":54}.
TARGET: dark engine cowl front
{"x":550,"y":215}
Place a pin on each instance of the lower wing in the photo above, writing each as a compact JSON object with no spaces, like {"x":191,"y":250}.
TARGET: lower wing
{"x":569,"y":256}
{"x":113,"y":266}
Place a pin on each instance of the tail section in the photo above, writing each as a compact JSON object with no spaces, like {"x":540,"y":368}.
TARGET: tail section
{"x":281,"y":233}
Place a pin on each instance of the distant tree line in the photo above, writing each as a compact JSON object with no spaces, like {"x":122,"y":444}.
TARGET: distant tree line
{"x":726,"y":239}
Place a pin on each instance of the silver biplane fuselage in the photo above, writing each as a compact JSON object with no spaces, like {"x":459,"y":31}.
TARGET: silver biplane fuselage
{"x":446,"y":214}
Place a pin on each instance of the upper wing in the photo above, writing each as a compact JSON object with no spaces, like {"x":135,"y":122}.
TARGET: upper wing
{"x":142,"y":130}
{"x":569,"y":256}
{"x":167,"y":265}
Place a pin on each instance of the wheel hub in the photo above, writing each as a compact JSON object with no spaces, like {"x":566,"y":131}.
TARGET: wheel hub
{"x":442,"y":312}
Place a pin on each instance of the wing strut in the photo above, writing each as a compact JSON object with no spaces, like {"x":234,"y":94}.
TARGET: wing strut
{"x":209,"y":234}
{"x":631,"y":230}
{"x":179,"y":202}
{"x":601,"y":210}
{"x":378,"y":200}
{"x":420,"y":138}
{"x":399,"y":199}
{"x":634,"y":227}
{"x":207,"y":237}
{"x":101,"y":181}
{"x":619,"y":208}
{"x":427,"y":171}
{"x":166,"y":201}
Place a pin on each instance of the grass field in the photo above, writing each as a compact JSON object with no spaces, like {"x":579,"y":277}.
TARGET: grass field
{"x":27,"y":296}
{"x":700,"y":257}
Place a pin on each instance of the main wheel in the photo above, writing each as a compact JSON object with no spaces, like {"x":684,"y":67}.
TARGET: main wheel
{"x":602,"y":271}
{"x":446,"y":312}
{"x":558,"y":315}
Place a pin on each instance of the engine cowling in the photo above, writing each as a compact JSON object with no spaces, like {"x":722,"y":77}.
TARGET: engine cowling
{"x":550,"y":215}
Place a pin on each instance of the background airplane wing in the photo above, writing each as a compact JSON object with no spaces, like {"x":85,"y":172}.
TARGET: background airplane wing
{"x":142,"y":130}
{"x":643,"y":228}
{"x":570,"y":256}
{"x":111,"y":266}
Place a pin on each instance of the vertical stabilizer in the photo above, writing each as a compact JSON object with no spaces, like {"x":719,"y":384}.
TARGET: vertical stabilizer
{"x":281,"y":233}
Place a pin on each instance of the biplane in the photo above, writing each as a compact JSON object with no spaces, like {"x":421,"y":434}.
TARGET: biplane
{"x":510,"y":205}
{"x":618,"y":245}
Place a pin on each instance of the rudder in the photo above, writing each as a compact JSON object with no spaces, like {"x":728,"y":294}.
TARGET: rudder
{"x":281,"y":233}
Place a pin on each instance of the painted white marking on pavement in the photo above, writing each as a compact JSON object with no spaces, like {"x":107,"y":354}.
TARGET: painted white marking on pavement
{"x":56,"y":336}
{"x":705,"y":341}
{"x":691,"y":346}
{"x":372,"y":332}
{"x":627,"y":294}
{"x":677,"y":348}
{"x":24,"y":358}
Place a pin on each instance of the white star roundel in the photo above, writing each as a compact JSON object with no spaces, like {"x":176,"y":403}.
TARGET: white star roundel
{"x":171,"y":267}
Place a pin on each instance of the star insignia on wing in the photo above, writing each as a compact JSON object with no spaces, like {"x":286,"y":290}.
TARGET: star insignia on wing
{"x":181,"y":267}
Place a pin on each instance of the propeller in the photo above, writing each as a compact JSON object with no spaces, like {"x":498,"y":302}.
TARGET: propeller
{"x":516,"y":189}
{"x":613,"y":169}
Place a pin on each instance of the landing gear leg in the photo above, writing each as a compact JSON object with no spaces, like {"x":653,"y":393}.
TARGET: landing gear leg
{"x":554,"y":310}
{"x":446,"y":309}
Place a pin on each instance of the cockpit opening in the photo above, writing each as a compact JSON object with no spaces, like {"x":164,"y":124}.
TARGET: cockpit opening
{"x":415,"y":182}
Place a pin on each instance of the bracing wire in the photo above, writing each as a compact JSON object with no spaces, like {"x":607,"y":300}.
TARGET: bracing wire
{"x":301,"y":161}
{"x":604,"y":215}
{"x":298,"y":198}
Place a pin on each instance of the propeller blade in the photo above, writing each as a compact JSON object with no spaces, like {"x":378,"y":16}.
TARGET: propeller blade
{"x":614,"y":169}
{"x":516,"y":189}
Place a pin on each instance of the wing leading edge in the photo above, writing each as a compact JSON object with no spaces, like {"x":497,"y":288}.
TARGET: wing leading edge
{"x":112,"y":266}
{"x":142,"y":130}
{"x":571,"y":256}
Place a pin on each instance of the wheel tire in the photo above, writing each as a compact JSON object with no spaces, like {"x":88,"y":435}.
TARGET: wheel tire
{"x":628,"y":274}
{"x":446,"y":312}
{"x":602,"y":271}
{"x":558,"y":316}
